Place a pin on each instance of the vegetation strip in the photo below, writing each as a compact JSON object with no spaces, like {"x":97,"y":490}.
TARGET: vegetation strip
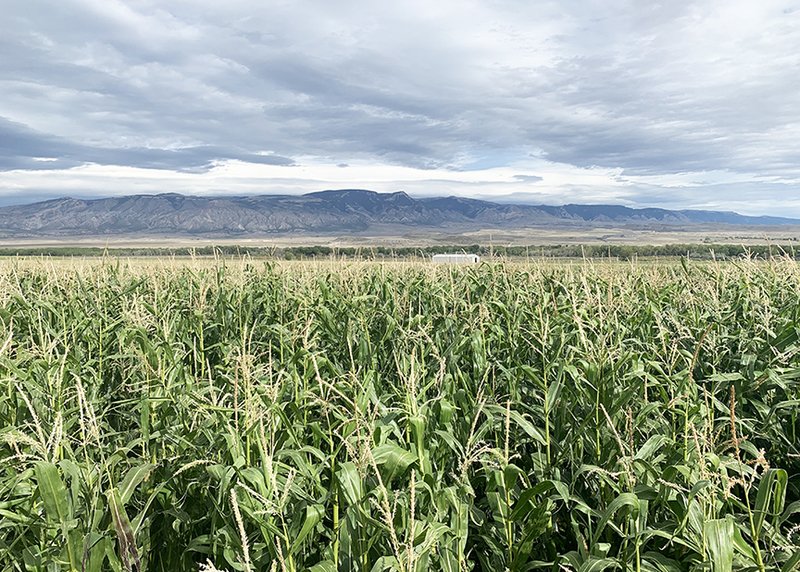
{"x":705,"y":251}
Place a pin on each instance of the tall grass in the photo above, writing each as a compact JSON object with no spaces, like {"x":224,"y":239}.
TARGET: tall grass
{"x":246,"y":416}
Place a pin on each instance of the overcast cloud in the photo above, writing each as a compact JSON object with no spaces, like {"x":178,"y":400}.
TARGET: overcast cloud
{"x":675,"y":104}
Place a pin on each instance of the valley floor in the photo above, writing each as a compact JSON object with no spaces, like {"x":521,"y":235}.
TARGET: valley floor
{"x":403,"y":237}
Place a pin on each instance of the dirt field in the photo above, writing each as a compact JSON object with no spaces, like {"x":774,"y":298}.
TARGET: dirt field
{"x":498,"y":236}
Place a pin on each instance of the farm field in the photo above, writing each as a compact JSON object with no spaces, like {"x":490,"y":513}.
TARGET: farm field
{"x":256,"y":416}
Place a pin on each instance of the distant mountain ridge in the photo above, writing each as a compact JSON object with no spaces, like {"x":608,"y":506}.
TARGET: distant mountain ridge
{"x":335,"y":211}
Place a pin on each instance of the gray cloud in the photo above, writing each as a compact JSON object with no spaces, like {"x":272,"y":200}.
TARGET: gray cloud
{"x":649,"y":89}
{"x":24,"y":149}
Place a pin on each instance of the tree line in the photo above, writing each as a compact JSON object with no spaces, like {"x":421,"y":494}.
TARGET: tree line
{"x":593,"y":251}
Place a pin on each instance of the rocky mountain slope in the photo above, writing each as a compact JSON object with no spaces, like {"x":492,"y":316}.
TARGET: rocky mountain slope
{"x":338,"y":211}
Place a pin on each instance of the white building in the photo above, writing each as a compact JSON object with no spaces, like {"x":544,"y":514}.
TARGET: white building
{"x":456,"y":259}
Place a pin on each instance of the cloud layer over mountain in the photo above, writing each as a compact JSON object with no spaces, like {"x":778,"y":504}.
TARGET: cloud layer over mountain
{"x":676,"y":104}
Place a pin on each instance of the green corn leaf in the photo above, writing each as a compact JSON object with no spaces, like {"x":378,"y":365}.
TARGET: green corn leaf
{"x":791,"y":509}
{"x":771,"y":496}
{"x":53,"y":492}
{"x":57,"y":508}
{"x":623,"y":500}
{"x":324,"y":566}
{"x":553,"y":393}
{"x":793,"y":563}
{"x":651,"y":446}
{"x":94,"y":552}
{"x":394,"y":459}
{"x":742,"y":546}
{"x":126,"y":542}
{"x":719,"y":539}
{"x":350,"y":483}
{"x":593,"y":564}
{"x":314,"y":514}
{"x":133,"y":478}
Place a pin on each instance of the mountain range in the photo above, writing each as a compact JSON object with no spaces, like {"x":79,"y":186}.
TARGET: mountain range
{"x":335,"y":211}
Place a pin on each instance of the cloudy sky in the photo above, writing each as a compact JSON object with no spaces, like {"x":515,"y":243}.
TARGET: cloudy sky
{"x":662,"y":103}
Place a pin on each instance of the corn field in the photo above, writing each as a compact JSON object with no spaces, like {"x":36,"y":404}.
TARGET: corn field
{"x":251,"y":416}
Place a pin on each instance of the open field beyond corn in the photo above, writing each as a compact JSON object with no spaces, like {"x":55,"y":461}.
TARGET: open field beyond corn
{"x":252,"y":416}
